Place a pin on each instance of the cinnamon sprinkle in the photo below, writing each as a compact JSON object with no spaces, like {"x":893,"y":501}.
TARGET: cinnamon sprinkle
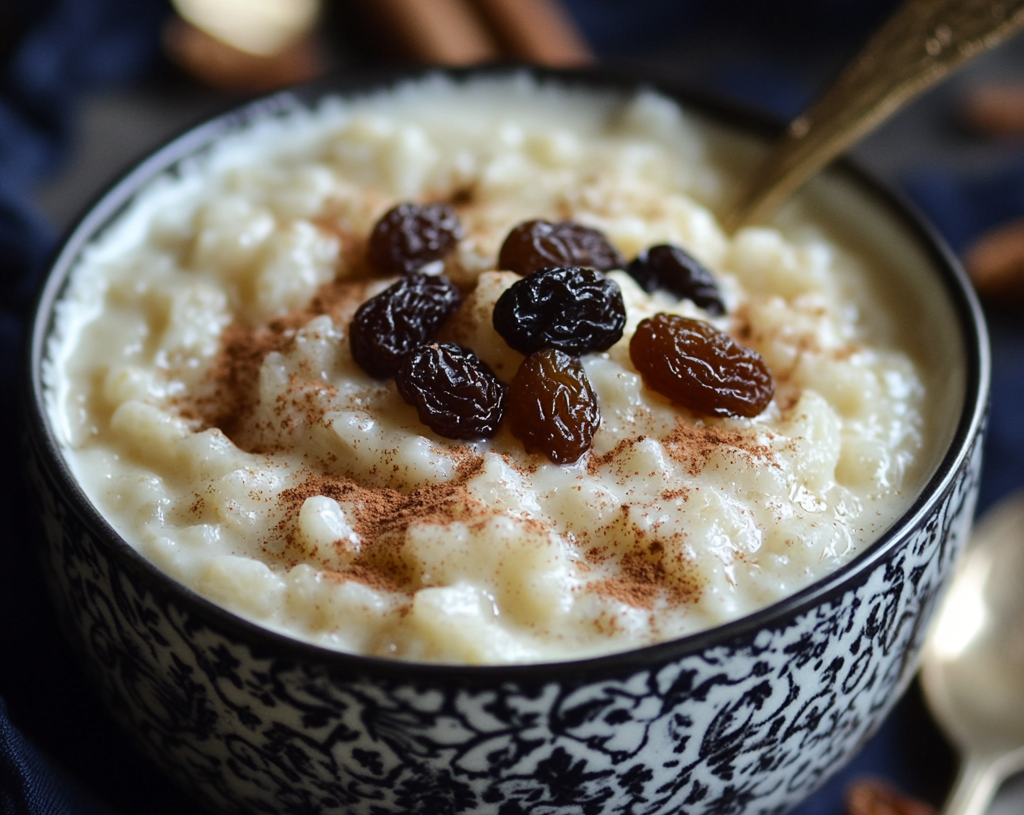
{"x":644,"y":580}
{"x":383,"y":516}
{"x":693,"y":445}
{"x":229,"y":397}
{"x":353,"y":246}
{"x":627,"y":592}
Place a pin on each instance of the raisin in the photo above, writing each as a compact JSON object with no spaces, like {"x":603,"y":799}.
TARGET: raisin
{"x":869,"y":796}
{"x":700,"y":367}
{"x":538,"y":244}
{"x":454,"y":392}
{"x":668,"y":267}
{"x":403,"y":316}
{"x":409,"y":236}
{"x":573,"y":309}
{"x":552,"y":407}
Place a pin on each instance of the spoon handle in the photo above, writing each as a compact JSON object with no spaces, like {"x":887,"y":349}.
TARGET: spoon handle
{"x":920,"y":43}
{"x":975,"y":786}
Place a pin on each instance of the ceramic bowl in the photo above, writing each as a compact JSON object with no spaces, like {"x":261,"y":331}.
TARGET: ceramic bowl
{"x":749,"y":717}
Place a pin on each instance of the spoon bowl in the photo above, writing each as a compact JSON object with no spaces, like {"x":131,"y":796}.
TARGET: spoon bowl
{"x":973,"y":661}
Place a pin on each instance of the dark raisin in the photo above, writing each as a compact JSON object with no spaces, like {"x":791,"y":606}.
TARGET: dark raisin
{"x":573,"y":309}
{"x":538,"y":244}
{"x":454,"y":392}
{"x":403,"y":316}
{"x":668,"y":267}
{"x":700,"y":367}
{"x":552,"y":408}
{"x":409,"y":236}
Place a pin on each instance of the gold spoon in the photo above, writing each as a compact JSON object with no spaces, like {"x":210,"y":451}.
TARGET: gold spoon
{"x":921,"y":43}
{"x":972,"y":669}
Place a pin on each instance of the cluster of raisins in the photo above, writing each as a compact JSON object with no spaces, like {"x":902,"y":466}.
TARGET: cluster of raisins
{"x":564,"y":306}
{"x":455,"y":393}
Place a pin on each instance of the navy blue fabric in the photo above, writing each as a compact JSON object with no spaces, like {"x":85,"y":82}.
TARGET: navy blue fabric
{"x":60,"y":752}
{"x":963,"y":208}
{"x":29,"y":784}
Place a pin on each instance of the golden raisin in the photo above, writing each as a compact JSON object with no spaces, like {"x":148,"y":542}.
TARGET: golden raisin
{"x":872,"y":797}
{"x":700,"y":367}
{"x":552,"y":407}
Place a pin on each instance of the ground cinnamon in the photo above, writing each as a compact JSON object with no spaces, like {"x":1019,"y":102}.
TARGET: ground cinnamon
{"x":693,"y":445}
{"x":228,"y":395}
{"x":382,"y":515}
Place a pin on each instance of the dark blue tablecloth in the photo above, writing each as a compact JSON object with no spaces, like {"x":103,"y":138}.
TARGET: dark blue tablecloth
{"x":59,"y":752}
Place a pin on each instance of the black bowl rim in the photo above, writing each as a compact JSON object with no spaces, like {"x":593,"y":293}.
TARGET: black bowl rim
{"x":266,"y":642}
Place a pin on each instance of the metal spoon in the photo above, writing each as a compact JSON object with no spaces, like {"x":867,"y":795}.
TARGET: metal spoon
{"x":921,"y":43}
{"x":973,"y":662}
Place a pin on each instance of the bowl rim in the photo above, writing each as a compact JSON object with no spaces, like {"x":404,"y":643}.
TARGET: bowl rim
{"x":264,"y":641}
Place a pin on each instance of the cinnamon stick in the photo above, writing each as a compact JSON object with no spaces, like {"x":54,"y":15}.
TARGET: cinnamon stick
{"x":441,"y":32}
{"x":538,"y":31}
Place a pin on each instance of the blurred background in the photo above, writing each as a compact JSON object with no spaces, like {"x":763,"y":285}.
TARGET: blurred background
{"x":87,"y":87}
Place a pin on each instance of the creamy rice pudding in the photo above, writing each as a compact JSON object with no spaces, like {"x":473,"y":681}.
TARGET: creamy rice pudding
{"x":202,"y":379}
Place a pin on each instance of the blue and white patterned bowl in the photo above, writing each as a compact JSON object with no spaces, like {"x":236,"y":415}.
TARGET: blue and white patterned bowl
{"x":750,"y":717}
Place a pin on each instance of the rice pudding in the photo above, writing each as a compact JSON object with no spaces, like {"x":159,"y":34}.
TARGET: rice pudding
{"x":202,"y":380}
